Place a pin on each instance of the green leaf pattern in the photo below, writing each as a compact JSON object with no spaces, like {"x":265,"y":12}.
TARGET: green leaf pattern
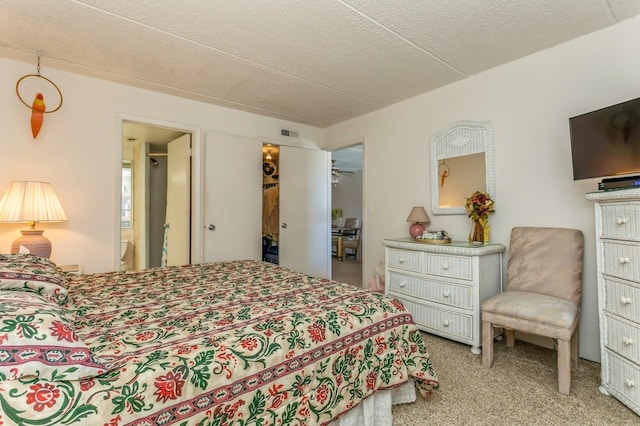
{"x":235,"y":343}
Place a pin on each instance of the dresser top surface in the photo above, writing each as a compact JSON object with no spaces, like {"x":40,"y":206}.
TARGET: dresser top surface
{"x":614,"y":195}
{"x":454,"y":247}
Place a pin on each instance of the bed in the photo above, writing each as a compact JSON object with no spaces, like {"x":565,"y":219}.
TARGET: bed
{"x":229,"y":343}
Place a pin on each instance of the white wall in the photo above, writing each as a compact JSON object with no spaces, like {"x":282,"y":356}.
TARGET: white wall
{"x":348,"y":195}
{"x":78,"y":151}
{"x":529,"y":102}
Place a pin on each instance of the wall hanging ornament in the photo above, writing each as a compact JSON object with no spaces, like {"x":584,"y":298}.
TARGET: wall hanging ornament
{"x":38,"y":108}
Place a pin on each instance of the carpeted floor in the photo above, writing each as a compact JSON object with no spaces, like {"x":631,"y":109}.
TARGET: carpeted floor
{"x":520,"y":389}
{"x":347,"y":271}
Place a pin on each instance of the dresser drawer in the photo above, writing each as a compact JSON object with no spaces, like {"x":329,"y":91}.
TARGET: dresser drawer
{"x":443,"y":321}
{"x":403,"y":259}
{"x":449,"y":266}
{"x":622,"y":298}
{"x":621,"y":260}
{"x":624,"y":379}
{"x":621,"y":220}
{"x":432,"y":290}
{"x":623,"y":337}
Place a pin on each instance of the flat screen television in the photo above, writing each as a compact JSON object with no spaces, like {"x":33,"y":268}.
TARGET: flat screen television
{"x":606,"y":142}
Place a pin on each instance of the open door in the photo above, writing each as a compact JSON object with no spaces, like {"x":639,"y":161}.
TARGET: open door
{"x":177,"y":244}
{"x":305,"y":235}
{"x":232,"y":198}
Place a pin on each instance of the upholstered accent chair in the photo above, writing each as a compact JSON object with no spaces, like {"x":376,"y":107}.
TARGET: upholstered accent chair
{"x":542,"y":296}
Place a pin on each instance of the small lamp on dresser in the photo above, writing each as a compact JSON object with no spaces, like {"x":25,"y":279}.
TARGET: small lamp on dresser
{"x":31,"y":202}
{"x":418,"y":216}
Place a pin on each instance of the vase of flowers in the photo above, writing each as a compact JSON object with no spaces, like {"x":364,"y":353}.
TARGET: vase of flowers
{"x":479,"y":205}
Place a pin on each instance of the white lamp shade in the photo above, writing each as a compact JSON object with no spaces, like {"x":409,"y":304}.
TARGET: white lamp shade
{"x":32,"y":202}
{"x":27,"y":201}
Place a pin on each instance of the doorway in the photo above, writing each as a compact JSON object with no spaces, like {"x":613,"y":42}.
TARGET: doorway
{"x":154,"y":158}
{"x":346,"y":203}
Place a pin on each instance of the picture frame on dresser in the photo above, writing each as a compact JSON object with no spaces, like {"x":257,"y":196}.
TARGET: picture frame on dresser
{"x":617,"y":230}
{"x":443,"y":285}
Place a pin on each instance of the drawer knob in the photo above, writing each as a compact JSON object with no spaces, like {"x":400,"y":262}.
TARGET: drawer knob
{"x":629,"y":383}
{"x":446,"y":293}
{"x":445,"y":266}
{"x":401,"y":260}
{"x":445,"y":323}
{"x":625,"y":300}
{"x":622,"y":220}
{"x":623,"y":260}
{"x":402,"y":284}
{"x":627,"y":341}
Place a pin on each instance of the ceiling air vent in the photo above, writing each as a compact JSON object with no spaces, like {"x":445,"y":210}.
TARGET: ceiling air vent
{"x":289,"y":133}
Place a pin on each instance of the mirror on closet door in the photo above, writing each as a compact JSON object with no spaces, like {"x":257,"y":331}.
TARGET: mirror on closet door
{"x":462,"y":162}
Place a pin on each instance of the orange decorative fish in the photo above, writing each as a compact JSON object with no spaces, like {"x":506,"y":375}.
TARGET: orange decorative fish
{"x":37,"y":114}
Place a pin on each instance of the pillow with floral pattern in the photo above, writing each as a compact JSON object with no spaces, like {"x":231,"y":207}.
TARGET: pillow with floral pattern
{"x":26,"y":272}
{"x":37,"y":339}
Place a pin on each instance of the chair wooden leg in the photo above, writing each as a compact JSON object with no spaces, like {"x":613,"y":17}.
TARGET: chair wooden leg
{"x":487,"y":344}
{"x":564,"y":366}
{"x":510,"y":336}
{"x":574,"y":350}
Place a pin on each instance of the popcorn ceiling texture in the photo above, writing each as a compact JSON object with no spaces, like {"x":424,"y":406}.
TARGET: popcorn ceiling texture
{"x":313,"y":62}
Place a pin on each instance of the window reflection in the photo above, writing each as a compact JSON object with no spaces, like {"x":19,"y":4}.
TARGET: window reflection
{"x":126,"y":215}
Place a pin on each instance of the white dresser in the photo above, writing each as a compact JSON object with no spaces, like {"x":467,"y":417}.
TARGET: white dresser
{"x":443,"y":285}
{"x":618,"y":266}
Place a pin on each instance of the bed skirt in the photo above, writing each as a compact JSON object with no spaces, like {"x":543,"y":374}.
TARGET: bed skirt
{"x":376,"y":409}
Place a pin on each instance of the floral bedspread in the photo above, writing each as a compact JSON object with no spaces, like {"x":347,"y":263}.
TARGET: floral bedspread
{"x":231,"y":343}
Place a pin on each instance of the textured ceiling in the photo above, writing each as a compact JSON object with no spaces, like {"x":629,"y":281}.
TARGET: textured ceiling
{"x":312,"y":62}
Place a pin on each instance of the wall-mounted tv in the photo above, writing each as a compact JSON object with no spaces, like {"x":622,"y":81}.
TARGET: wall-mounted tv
{"x":606,"y":142}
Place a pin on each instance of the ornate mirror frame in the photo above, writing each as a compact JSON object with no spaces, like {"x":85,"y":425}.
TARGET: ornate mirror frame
{"x":460,"y":139}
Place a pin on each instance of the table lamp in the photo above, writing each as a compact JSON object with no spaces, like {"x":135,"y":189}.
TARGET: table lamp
{"x":418,"y":216}
{"x":31,"y":202}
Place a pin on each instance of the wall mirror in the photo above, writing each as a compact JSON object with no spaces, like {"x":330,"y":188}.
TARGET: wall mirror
{"x":462,"y":162}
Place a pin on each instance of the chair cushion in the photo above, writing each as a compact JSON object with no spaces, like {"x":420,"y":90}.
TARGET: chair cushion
{"x":532,"y":313}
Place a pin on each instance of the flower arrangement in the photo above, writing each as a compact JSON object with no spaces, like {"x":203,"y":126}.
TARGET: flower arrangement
{"x":479,"y":205}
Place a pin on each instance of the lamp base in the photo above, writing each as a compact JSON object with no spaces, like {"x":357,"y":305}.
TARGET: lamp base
{"x":416,"y":230}
{"x":34,"y":242}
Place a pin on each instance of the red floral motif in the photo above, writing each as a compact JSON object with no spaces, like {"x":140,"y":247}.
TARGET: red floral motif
{"x":113,"y":422}
{"x":42,"y":395}
{"x":322,"y":393}
{"x":85,"y":385}
{"x":144,"y":335}
{"x":371,"y":380}
{"x":398,"y":305}
{"x":63,"y":331}
{"x":249,"y":343}
{"x":317,"y":333}
{"x":382,"y":346}
{"x":184,"y":350}
{"x":169,"y":386}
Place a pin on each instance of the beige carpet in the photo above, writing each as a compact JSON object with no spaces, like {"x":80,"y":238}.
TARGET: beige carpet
{"x":520,"y":389}
{"x":347,"y":271}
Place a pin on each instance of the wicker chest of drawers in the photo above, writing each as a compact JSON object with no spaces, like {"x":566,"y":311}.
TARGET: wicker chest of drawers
{"x":443,"y":285}
{"x":618,"y":264}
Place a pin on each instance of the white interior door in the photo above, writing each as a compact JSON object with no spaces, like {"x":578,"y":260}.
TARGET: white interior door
{"x":305,"y":227}
{"x":178,"y":217}
{"x":232,"y":198}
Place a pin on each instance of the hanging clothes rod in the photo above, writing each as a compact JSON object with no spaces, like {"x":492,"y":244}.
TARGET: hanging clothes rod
{"x":157,"y":154}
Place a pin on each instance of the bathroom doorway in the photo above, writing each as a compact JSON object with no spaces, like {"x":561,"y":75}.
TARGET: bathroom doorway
{"x":149,"y":175}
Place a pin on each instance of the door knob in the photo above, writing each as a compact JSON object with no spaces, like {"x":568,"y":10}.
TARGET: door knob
{"x":211,"y":227}
{"x":284,"y":225}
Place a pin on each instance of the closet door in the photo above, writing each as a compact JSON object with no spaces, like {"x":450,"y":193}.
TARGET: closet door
{"x":232,"y":198}
{"x":304,"y":210}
